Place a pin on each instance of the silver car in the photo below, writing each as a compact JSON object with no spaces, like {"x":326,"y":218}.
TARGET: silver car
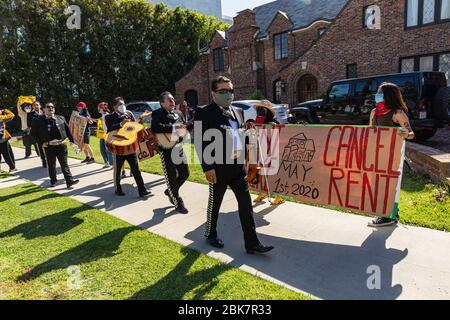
{"x":281,"y":110}
{"x":138,"y":108}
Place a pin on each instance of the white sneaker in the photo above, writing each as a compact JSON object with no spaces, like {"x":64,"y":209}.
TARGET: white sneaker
{"x":106,"y":166}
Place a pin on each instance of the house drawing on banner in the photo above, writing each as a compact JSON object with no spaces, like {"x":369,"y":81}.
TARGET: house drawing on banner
{"x":299,"y":149}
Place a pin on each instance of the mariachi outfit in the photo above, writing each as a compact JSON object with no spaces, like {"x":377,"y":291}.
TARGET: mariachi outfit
{"x":51,"y":133}
{"x":31,"y":116}
{"x":113,"y":122}
{"x":230,"y":172}
{"x":176,"y":175}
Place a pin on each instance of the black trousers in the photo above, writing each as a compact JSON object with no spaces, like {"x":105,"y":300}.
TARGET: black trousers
{"x":132,"y":160}
{"x":60,"y":153}
{"x":7,"y":154}
{"x":176,"y":174}
{"x":28,"y":142}
{"x":233,"y":176}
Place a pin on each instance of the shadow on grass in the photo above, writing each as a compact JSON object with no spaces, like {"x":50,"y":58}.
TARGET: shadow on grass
{"x":179,"y":281}
{"x":104,"y":246}
{"x":414,"y":182}
{"x":28,"y":189}
{"x":51,"y":225}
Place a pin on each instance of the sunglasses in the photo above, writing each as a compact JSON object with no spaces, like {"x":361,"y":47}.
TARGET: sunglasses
{"x":224,"y":91}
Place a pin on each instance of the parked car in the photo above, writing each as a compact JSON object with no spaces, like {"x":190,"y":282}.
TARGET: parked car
{"x":138,"y":108}
{"x":281,"y":110}
{"x":351,"y":101}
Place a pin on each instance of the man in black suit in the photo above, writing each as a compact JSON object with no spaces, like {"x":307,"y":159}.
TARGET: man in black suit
{"x":51,"y":131}
{"x":115,"y":121}
{"x":225,"y":168}
{"x":167,"y":121}
{"x":35,"y":113}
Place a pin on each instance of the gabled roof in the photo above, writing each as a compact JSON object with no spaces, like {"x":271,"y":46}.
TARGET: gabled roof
{"x":302,"y":13}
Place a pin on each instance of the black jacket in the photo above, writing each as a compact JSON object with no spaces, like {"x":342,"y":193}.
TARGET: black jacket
{"x":213,"y":117}
{"x":31,"y":116}
{"x":163,"y":121}
{"x":40,"y":131}
{"x":114,"y":119}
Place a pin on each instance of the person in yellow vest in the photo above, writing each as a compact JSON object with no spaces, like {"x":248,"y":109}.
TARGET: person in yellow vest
{"x":5,"y":149}
{"x":101,"y":134}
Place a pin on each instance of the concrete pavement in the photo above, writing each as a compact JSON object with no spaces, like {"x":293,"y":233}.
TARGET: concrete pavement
{"x":327,"y":254}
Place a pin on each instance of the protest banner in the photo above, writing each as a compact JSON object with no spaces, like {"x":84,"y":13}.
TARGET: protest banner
{"x":77,"y":125}
{"x":148,"y":145}
{"x":352,"y":167}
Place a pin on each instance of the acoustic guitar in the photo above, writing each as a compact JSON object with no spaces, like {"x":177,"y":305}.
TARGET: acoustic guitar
{"x":168,"y":141}
{"x":125,"y":140}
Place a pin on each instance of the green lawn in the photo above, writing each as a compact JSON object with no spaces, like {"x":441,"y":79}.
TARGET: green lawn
{"x":422,"y":202}
{"x":4,"y":174}
{"x":42,"y":234}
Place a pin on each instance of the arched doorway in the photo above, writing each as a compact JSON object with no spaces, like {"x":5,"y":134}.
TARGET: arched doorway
{"x":191,"y":98}
{"x":307,"y":88}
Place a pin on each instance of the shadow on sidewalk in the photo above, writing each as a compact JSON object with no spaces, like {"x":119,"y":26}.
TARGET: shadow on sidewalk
{"x":325,"y":270}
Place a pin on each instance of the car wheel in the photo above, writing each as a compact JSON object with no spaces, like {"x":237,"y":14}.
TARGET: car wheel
{"x":441,"y":104}
{"x":424,"y":134}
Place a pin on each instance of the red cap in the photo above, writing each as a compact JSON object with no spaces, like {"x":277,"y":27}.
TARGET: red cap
{"x":80,"y":105}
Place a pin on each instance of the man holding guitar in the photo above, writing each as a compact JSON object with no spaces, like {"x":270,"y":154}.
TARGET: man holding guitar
{"x":116,"y":121}
{"x":169,"y":125}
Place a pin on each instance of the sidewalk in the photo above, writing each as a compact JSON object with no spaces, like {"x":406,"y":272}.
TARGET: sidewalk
{"x":318,"y":251}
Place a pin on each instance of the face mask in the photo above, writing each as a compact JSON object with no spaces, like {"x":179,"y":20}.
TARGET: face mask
{"x":379,"y":97}
{"x":224,"y":100}
{"x":261,"y":119}
{"x":122,"y":108}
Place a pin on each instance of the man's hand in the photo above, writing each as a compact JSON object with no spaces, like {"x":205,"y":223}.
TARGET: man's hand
{"x":124,"y":121}
{"x":179,"y":126}
{"x":211,"y":176}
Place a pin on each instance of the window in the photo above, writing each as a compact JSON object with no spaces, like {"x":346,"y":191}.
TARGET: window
{"x":277,"y":90}
{"x":218,"y":59}
{"x":444,"y":65}
{"x":412,"y":13}
{"x":407,"y":65}
{"x":428,"y":11}
{"x":426,"y":63}
{"x":280,"y":46}
{"x":424,"y":12}
{"x":406,"y":84}
{"x":445,"y":9}
{"x":352,"y":71}
{"x":366,"y":88}
{"x":339,"y":91}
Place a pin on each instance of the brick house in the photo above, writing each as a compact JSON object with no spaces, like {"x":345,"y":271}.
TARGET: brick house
{"x":291,"y":50}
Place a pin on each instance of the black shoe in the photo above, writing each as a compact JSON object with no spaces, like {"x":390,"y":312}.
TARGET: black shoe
{"x":215,"y":242}
{"x":44,"y":164}
{"x":145,"y":194}
{"x":53,"y":184}
{"x":382,"y":222}
{"x":181,"y":208}
{"x":91,"y":160}
{"x":85,"y":160}
{"x":72,"y":183}
{"x":259,"y":249}
{"x":168,"y":196}
{"x":119,"y":192}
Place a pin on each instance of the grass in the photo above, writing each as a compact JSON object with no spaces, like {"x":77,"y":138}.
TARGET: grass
{"x":422,"y":202}
{"x":4,"y":174}
{"x":49,"y":241}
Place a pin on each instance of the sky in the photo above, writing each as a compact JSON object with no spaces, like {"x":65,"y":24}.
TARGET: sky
{"x":231,"y":7}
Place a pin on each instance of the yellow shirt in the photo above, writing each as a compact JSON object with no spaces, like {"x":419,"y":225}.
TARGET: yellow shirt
{"x":101,"y":134}
{"x":7,"y":115}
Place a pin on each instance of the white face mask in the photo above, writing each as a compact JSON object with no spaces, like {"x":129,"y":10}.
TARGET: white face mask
{"x":122,"y":108}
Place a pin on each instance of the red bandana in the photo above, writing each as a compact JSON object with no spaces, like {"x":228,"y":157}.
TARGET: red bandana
{"x":382,"y":109}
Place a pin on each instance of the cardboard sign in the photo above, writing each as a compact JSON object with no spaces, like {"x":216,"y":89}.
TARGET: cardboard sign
{"x":22,"y":102}
{"x":77,"y":125}
{"x":148,"y":145}
{"x":352,"y":167}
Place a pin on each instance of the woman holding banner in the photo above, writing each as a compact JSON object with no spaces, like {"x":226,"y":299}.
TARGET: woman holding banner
{"x":83,"y":111}
{"x":390,"y":111}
